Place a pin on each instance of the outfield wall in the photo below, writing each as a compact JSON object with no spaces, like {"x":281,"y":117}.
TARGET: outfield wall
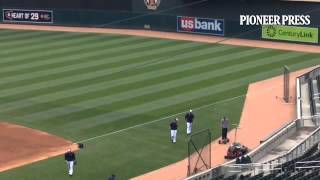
{"x":134,"y":14}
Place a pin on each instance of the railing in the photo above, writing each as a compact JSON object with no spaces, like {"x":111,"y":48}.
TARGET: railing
{"x":314,"y":98}
{"x":253,"y":168}
{"x":274,"y":141}
{"x":205,"y":175}
{"x":274,"y":133}
{"x":303,"y":163}
{"x":261,"y":150}
{"x":299,"y":149}
{"x":299,"y":102}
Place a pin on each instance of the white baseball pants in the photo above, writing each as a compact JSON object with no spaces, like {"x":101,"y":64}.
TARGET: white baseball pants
{"x":173,"y":135}
{"x":189,"y":128}
{"x":70,"y":167}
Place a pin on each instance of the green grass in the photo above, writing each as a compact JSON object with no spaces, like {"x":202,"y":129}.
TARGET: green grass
{"x":79,"y":85}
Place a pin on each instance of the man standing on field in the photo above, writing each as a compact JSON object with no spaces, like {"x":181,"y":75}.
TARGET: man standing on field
{"x":70,"y":158}
{"x":224,"y":127}
{"x":189,"y":118}
{"x":173,"y":130}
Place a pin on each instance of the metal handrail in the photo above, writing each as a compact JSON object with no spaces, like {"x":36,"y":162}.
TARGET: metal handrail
{"x":290,"y":152}
{"x":306,"y":162}
{"x":308,"y":167}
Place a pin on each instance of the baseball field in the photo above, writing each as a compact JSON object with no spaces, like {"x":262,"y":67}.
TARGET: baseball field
{"x":117,"y":94}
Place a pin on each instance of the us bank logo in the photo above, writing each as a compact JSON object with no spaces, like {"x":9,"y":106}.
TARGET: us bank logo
{"x":200,"y":25}
{"x":152,"y":4}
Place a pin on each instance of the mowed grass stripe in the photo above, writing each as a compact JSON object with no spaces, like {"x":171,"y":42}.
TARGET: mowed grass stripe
{"x":86,"y":69}
{"x":41,"y":41}
{"x":64,"y":49}
{"x":106,"y":56}
{"x":8,"y":32}
{"x":78,"y":134}
{"x":87,"y":79}
{"x":73,"y":108}
{"x":109,"y":61}
{"x":28,"y":100}
{"x":64,"y":58}
{"x":67,"y":59}
{"x":34,"y":57}
{"x":52,"y":43}
{"x":131,"y":82}
{"x":72,"y":60}
{"x":14,"y":38}
{"x":157,"y":113}
{"x":161,"y":76}
{"x":133,"y":90}
{"x":172,"y":109}
{"x":12,"y":80}
{"x":34,"y":54}
{"x":102,"y":116}
{"x":160,"y":114}
{"x":111,"y":115}
{"x":100,"y":113}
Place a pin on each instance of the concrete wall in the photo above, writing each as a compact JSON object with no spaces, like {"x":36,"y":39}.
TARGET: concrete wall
{"x":122,"y":5}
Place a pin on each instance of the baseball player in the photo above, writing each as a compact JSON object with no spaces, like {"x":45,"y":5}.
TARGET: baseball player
{"x":70,"y":158}
{"x":112,"y":177}
{"x":189,"y":118}
{"x":173,"y":130}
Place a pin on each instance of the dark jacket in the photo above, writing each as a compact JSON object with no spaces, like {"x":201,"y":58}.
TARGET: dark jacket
{"x":189,"y":117}
{"x":112,"y":177}
{"x":174,"y":125}
{"x":69,"y":156}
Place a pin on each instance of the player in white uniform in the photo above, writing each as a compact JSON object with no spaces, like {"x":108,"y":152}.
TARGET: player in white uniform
{"x":70,"y":158}
{"x":189,"y":118}
{"x":173,"y":130}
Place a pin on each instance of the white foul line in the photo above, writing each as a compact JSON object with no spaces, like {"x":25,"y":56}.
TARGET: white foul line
{"x":150,"y":122}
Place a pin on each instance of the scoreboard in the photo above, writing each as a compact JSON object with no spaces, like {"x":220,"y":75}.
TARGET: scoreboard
{"x":27,"y":16}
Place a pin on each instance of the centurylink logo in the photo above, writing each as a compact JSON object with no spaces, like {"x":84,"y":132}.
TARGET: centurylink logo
{"x":271,"y":31}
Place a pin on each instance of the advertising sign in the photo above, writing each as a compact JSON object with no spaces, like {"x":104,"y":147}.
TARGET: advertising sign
{"x":27,"y":16}
{"x":200,"y":25}
{"x":291,"y":33}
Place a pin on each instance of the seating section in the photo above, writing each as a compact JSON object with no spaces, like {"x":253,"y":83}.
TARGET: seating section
{"x":290,"y":170}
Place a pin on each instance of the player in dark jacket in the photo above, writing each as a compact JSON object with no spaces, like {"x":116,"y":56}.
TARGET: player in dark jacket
{"x":189,"y":118}
{"x":70,"y":158}
{"x":173,"y":130}
{"x":112,"y":177}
